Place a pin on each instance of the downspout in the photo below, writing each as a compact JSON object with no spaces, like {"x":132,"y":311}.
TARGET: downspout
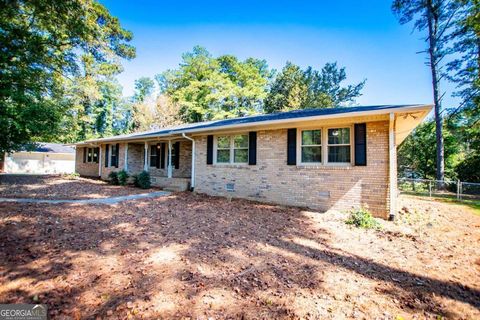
{"x":192,"y":183}
{"x":391,"y":167}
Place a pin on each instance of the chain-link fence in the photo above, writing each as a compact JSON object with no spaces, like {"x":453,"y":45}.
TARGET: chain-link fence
{"x":435,"y":188}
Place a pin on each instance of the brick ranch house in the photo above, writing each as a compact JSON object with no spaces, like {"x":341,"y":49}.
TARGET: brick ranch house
{"x":318,"y":158}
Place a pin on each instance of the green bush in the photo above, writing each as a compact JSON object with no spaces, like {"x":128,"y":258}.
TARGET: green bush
{"x":122,"y":177}
{"x":142,"y":180}
{"x":113,"y":178}
{"x":362,"y":218}
{"x":71,"y":176}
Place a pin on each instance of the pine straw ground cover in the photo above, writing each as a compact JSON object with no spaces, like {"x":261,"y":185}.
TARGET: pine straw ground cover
{"x":194,"y":256}
{"x":60,"y":187}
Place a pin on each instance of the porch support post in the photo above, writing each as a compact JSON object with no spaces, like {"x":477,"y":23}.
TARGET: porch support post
{"x":125,"y":165}
{"x":145,"y":165}
{"x":100,"y":160}
{"x":392,"y":166}
{"x":169,"y":168}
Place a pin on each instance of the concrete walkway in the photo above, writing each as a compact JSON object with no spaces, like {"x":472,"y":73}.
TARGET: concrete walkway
{"x":112,"y":200}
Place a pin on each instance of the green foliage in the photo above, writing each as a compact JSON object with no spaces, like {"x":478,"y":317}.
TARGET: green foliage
{"x":122,"y":177}
{"x":41,"y":48}
{"x":143,"y":89}
{"x":362,"y":218}
{"x":294,"y":88}
{"x":469,"y":168}
{"x":113,"y":178}
{"x":417,"y":154}
{"x":71,"y":176}
{"x":209,"y":88}
{"x":142,"y":180}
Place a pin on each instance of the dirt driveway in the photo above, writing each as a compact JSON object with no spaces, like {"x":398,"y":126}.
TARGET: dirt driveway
{"x":193,"y":256}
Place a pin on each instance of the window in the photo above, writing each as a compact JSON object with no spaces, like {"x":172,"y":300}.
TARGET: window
{"x":95,"y":154}
{"x":113,"y":156}
{"x":232,"y":149}
{"x":154,"y":154}
{"x":174,"y":153}
{"x":92,"y":155}
{"x":311,"y":144}
{"x":240,"y":149}
{"x":339,"y":145}
{"x":223,"y":149}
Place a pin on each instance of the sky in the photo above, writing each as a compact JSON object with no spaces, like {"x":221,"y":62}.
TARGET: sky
{"x":362,"y":35}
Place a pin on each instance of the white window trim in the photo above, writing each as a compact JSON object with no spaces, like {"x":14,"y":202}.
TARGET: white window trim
{"x":324,"y":137}
{"x":350,"y":144}
{"x":299,"y":149}
{"x":232,"y":148}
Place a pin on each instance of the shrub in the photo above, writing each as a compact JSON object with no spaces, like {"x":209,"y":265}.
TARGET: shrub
{"x":362,"y":218}
{"x":113,"y":178}
{"x":142,"y":180}
{"x":71,"y":176}
{"x":122,"y":177}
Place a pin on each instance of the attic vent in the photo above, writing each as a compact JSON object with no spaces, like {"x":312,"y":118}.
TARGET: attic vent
{"x":230,"y":187}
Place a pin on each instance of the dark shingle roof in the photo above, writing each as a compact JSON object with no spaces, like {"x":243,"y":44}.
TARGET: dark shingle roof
{"x":295,"y":114}
{"x":53,"y":148}
{"x":262,"y":118}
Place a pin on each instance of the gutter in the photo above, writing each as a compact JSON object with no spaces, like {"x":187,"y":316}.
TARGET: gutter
{"x":192,"y":182}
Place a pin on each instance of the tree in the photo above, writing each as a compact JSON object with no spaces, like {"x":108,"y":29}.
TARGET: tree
{"x":207,"y":88}
{"x":41,"y":45}
{"x":142,"y":104}
{"x":289,"y":90}
{"x":294,"y":88}
{"x":464,"y":71}
{"x":143,"y":89}
{"x":417,"y":154}
{"x":435,"y":17}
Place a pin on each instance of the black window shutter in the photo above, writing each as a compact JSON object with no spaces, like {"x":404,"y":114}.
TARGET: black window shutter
{"x":162,"y":156}
{"x":157,"y":164}
{"x":96,"y":152}
{"x":177,"y":155}
{"x":252,"y":148}
{"x":209,"y":149}
{"x":292,"y":147}
{"x":107,"y":150}
{"x":117,"y":149}
{"x":360,"y":144}
{"x":84,"y":155}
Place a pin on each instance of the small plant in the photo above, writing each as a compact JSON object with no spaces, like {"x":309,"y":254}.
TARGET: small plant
{"x":122,"y":177}
{"x":142,"y":180}
{"x":71,"y":176}
{"x":362,"y":218}
{"x":113,"y":178}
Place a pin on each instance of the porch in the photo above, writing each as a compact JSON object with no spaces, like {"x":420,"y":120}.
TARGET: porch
{"x":169,"y":162}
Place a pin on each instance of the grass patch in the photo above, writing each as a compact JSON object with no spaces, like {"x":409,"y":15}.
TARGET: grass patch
{"x":471,"y":203}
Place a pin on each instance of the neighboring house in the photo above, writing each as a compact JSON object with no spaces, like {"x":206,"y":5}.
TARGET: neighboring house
{"x":319,"y":158}
{"x":45,"y":158}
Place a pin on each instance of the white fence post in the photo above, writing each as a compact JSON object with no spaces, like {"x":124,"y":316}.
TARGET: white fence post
{"x":430,"y":188}
{"x":458,"y":189}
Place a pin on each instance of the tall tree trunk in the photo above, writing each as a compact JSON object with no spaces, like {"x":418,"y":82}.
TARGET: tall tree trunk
{"x":433,"y":55}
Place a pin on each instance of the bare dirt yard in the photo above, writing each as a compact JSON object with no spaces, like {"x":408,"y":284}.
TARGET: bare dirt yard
{"x":191,"y":256}
{"x":59,"y":187}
